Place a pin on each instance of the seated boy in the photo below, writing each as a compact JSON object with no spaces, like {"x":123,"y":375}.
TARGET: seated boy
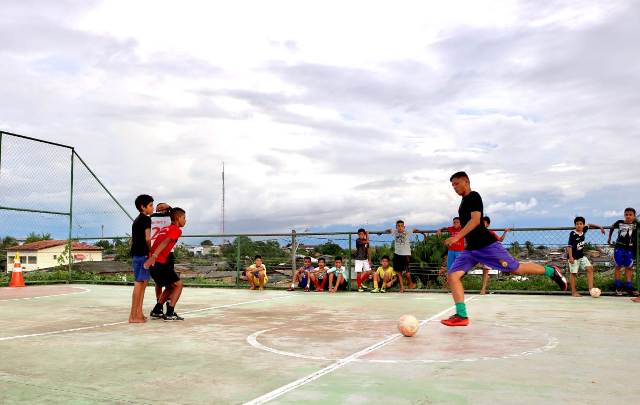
{"x":301,"y":276}
{"x":385,"y":274}
{"x":339,"y":274}
{"x":257,"y":274}
{"x":318,"y":276}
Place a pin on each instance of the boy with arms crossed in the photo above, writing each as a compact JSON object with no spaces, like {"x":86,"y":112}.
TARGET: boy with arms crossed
{"x":402,"y":253}
{"x":257,"y":274}
{"x":625,"y":250}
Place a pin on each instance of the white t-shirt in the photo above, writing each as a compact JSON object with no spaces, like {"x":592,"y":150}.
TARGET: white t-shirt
{"x":402,"y":242}
{"x":158,"y":223}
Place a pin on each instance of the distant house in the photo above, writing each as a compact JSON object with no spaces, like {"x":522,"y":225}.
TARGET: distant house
{"x":46,"y":254}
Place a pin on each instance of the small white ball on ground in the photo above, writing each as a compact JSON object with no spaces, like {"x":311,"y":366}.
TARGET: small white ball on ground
{"x":408,"y":325}
{"x":595,"y":292}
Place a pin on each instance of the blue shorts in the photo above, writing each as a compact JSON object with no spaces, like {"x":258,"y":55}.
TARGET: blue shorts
{"x":139,"y":272}
{"x":624,"y":257}
{"x":494,"y":256}
{"x":452,"y":255}
{"x":303,"y":282}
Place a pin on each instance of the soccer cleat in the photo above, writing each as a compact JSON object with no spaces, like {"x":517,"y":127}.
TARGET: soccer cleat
{"x":173,"y":317}
{"x":156,"y":315}
{"x":455,"y":320}
{"x":360,"y":289}
{"x":364,"y":287}
{"x":559,"y":279}
{"x":375,"y":290}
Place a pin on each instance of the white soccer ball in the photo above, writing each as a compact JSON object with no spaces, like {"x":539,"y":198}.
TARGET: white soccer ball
{"x":595,"y":292}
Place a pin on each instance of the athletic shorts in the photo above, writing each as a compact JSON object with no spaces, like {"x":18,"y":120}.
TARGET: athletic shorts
{"x":164,"y":274}
{"x":139,"y":272}
{"x":494,"y":256}
{"x":256,"y":278}
{"x":401,"y":263}
{"x":452,"y":255}
{"x":382,"y":273}
{"x":362,"y":265}
{"x":580,"y":264}
{"x":303,"y":281}
{"x":624,"y":257}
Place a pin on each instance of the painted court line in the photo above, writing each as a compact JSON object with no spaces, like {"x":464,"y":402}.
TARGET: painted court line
{"x":338,"y":364}
{"x":104,"y":325}
{"x":85,"y":290}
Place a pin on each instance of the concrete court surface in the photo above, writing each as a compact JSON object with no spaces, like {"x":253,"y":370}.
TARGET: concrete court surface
{"x":71,"y":344}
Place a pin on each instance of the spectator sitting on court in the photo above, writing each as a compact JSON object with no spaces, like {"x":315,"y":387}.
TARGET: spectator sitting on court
{"x":339,"y":274}
{"x":257,"y":274}
{"x":301,"y":276}
{"x":318,"y":276}
{"x":385,"y":274}
{"x":575,"y":254}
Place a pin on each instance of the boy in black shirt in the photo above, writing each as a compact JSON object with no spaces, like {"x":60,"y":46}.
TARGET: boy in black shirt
{"x":482,"y":248}
{"x":140,"y":245}
{"x":625,"y":250}
{"x":575,"y":255}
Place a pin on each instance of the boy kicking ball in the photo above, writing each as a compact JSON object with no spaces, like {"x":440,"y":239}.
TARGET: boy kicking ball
{"x":482,"y":248}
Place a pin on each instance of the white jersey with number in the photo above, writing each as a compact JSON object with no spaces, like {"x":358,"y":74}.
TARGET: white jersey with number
{"x":158,"y":223}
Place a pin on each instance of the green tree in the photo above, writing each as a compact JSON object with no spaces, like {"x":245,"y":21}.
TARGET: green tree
{"x":515,"y":249}
{"x":431,"y":251}
{"x":35,"y":237}
{"x":107,"y":247}
{"x":5,"y":243}
{"x":330,"y":248}
{"x":206,"y":242}
{"x":529,"y":247}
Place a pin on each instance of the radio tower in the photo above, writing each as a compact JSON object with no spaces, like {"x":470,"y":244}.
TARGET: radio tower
{"x":222,"y":225}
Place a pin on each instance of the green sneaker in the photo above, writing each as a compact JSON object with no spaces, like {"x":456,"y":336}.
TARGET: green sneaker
{"x":364,"y":287}
{"x":375,"y":290}
{"x":383,"y":290}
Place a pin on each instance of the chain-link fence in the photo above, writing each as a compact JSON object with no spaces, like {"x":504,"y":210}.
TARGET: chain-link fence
{"x":48,"y":192}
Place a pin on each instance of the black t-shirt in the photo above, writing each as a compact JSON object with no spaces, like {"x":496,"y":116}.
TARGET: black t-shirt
{"x":626,"y":234}
{"x":139,"y":245}
{"x":362,"y":250}
{"x":576,"y":243}
{"x":480,"y":236}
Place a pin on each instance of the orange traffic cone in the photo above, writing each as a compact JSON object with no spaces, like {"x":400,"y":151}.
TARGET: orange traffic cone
{"x":17,"y":280}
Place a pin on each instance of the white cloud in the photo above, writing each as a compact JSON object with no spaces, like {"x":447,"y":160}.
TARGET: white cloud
{"x":517,"y":206}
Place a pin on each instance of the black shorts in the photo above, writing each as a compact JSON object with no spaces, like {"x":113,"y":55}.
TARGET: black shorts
{"x":164,"y":274}
{"x":401,"y":263}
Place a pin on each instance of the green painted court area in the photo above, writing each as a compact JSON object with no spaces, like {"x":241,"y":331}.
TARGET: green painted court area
{"x":70,"y":344}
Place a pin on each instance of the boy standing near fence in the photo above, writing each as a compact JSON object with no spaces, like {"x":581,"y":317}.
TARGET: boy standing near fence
{"x":575,"y":253}
{"x":625,"y":250}
{"x":163,"y":271}
{"x":140,"y":244}
{"x":402,"y":253}
{"x":363,"y":258}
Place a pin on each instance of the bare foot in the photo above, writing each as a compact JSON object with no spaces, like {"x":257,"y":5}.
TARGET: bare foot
{"x":576,"y":295}
{"x":253,"y":287}
{"x":636,"y":299}
{"x":402,"y":290}
{"x":137,"y":321}
{"x":483,"y":292}
{"x":413,"y":287}
{"x":261,"y":288}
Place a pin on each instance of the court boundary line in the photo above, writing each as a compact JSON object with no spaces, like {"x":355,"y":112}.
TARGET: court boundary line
{"x":86,"y":290}
{"x":278,"y":392}
{"x":104,"y":325}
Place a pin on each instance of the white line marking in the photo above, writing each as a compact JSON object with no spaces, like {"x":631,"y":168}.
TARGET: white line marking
{"x":86,"y":290}
{"x":337,"y":364}
{"x":104,"y":325}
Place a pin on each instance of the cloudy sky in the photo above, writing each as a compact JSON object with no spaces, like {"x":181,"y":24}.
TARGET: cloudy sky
{"x":334,"y":114}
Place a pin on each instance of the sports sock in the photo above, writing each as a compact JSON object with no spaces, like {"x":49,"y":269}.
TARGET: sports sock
{"x":359,"y":280}
{"x":169,"y":310}
{"x":618,"y":284}
{"x":375,"y":283}
{"x":461,"y":309}
{"x":628,"y":286}
{"x":549,"y":271}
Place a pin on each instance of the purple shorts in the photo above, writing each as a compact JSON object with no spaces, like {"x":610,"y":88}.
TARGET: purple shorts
{"x":494,"y":256}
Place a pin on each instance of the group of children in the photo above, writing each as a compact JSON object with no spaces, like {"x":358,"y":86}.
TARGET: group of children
{"x":470,"y":243}
{"x":153,"y":237}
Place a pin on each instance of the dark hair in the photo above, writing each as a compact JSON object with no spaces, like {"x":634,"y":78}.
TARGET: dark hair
{"x":257,"y":257}
{"x":579,"y":219}
{"x":163,"y":203}
{"x":385,"y":257}
{"x":338,"y":258}
{"x":485,"y":218}
{"x":176,"y":212}
{"x":322,"y":259}
{"x":399,"y":222}
{"x":459,"y":175}
{"x":142,"y":201}
{"x":458,"y":218}
{"x":629,"y":209}
{"x":361,"y":230}
{"x":306,"y":258}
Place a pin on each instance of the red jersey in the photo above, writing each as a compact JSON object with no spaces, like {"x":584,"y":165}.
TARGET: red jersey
{"x":172,"y":232}
{"x":459,"y":245}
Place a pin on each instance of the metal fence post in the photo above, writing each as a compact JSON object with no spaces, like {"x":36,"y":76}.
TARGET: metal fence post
{"x":349,"y":263}
{"x":294,"y":249}
{"x":69,"y":244}
{"x":238,"y":264}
